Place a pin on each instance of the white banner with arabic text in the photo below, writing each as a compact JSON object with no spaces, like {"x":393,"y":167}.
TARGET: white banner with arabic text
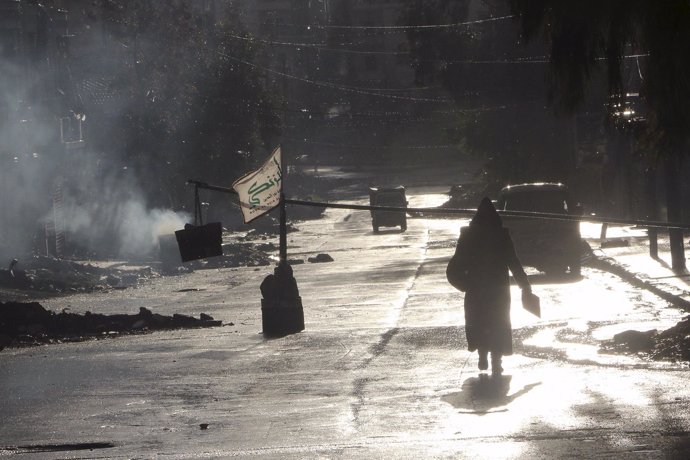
{"x":259,"y":190}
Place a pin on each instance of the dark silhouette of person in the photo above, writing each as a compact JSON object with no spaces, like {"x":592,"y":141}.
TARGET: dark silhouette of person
{"x":488,"y":251}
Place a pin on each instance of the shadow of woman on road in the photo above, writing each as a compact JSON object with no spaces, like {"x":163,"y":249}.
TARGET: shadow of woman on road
{"x":485,"y":394}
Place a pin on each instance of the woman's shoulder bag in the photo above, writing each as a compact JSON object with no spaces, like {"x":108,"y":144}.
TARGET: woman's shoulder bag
{"x":457,"y":271}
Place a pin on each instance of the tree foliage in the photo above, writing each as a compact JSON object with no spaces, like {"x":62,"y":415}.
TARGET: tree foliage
{"x":581,"y":33}
{"x":194,"y":107}
{"x":498,"y":90}
{"x":587,"y":34}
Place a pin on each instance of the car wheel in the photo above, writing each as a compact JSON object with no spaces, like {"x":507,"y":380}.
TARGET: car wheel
{"x":376,"y":228}
{"x":403,"y":226}
{"x":576,"y":268}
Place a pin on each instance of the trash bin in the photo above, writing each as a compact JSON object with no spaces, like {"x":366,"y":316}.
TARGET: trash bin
{"x":200,"y":241}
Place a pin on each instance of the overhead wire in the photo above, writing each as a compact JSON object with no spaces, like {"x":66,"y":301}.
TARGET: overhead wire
{"x":325,"y":47}
{"x":369,"y":146}
{"x":639,"y":69}
{"x":387,"y":28}
{"x":318,"y":46}
{"x":325,"y":84}
{"x":379,"y":92}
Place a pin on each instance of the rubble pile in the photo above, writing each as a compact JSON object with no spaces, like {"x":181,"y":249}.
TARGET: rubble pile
{"x":245,"y":255}
{"x":51,"y":276}
{"x":56,"y":276}
{"x":670,"y":345}
{"x":25,"y":324}
{"x":238,"y":256}
{"x":674,"y":343}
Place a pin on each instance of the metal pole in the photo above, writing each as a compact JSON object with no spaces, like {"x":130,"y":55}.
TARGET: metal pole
{"x":426,"y":212}
{"x":197,"y":207}
{"x":283,"y":229}
{"x":653,"y":242}
{"x":283,"y":214}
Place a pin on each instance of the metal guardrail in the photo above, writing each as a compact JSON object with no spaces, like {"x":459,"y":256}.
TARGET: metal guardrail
{"x":525,"y":214}
{"x":426,"y":212}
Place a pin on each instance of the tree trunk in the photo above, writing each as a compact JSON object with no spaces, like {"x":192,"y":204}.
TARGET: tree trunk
{"x":673,"y":212}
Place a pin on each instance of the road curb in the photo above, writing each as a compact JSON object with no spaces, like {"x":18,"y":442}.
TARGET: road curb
{"x":612,"y":266}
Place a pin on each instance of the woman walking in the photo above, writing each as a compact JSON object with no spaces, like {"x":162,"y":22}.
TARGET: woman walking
{"x":483,"y":256}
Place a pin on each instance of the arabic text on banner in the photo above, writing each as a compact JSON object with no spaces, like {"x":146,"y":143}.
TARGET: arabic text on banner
{"x":259,"y":190}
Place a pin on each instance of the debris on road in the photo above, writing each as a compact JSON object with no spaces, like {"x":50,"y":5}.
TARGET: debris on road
{"x":635,"y":341}
{"x":49,"y":275}
{"x":43,"y":276}
{"x":26,"y":324}
{"x":674,"y":343}
{"x":320,"y":258}
{"x":670,"y":345}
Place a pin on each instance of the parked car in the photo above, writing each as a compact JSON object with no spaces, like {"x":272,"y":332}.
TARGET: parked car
{"x":394,"y":197}
{"x":551,"y":246}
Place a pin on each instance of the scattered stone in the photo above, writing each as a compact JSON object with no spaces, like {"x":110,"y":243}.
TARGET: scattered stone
{"x":49,"y":275}
{"x":674,"y":343}
{"x":320,"y":258}
{"x":113,"y":280}
{"x":24,"y":324}
{"x":636,"y":341}
{"x":52,"y":276}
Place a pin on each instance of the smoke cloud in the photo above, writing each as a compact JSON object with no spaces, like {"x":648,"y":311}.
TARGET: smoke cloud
{"x":25,"y":167}
{"x":109,"y":216}
{"x":156,"y":113}
{"x":126,"y":229}
{"x":97,"y":203}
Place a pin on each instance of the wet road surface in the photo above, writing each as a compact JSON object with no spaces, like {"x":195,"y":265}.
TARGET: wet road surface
{"x":381,"y":370}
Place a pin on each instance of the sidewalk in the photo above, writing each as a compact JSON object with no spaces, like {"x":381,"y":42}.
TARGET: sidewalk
{"x":626,"y":254}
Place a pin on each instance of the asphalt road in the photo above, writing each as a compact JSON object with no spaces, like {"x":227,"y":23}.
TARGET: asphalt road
{"x":381,"y":370}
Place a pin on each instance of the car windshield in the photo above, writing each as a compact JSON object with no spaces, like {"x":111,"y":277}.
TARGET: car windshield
{"x":536,"y":201}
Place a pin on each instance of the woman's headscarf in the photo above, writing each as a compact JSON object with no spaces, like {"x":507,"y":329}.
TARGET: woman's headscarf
{"x":486,"y":215}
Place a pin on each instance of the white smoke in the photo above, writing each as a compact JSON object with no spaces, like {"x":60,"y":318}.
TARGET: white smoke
{"x":111,"y":217}
{"x":139,"y":228}
{"x":25,"y":171}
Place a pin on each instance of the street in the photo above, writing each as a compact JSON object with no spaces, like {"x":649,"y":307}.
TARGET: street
{"x":380,"y":371}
